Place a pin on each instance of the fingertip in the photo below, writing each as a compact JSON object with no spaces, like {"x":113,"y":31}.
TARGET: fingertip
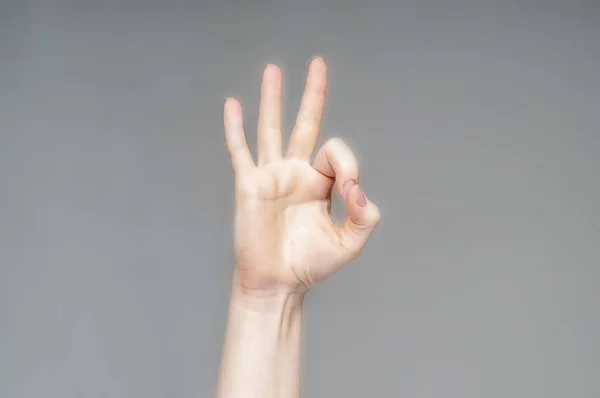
{"x":360,"y":209}
{"x":375,"y":214}
{"x":271,"y":70}
{"x":232,"y":107}
{"x":317,"y":75}
{"x":229,"y":102}
{"x":318,"y":64}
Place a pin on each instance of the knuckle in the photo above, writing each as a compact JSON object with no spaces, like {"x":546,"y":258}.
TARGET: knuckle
{"x":335,"y":142}
{"x":339,"y":149}
{"x":351,"y":246}
{"x":307,"y":125}
{"x":246,"y":187}
{"x":272,"y":129}
{"x":341,"y":157}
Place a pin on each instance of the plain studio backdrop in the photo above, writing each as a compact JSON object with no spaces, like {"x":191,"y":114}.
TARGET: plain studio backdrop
{"x":476,"y":125}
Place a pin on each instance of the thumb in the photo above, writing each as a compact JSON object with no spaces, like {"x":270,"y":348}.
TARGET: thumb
{"x":363,"y":217}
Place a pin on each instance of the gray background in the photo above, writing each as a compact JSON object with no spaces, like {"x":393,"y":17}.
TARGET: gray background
{"x":476,"y":125}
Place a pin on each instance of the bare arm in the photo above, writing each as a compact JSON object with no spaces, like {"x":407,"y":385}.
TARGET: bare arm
{"x":285,"y":240}
{"x":261,"y":356}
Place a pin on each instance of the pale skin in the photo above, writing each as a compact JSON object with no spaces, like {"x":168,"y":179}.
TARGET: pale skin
{"x":285,"y":240}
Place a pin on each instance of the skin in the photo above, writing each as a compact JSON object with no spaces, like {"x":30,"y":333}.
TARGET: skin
{"x":285,"y":240}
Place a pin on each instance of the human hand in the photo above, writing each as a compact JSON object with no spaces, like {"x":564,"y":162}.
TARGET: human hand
{"x":285,"y":239}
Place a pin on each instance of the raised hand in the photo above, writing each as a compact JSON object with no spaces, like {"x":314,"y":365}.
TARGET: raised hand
{"x":285,"y":239}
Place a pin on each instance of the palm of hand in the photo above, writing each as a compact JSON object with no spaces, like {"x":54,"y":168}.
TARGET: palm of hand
{"x":284,"y":234}
{"x":285,"y":239}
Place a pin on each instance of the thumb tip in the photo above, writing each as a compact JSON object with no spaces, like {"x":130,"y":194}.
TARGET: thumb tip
{"x":360,"y":209}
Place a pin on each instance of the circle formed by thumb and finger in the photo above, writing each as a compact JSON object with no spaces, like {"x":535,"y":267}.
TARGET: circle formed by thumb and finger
{"x":363,"y":217}
{"x":336,"y":160}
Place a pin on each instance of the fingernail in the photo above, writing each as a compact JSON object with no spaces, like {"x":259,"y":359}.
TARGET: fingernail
{"x":360,"y":197}
{"x":348,"y":186}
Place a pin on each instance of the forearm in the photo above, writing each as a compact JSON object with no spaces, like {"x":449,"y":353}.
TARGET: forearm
{"x":261,"y":353}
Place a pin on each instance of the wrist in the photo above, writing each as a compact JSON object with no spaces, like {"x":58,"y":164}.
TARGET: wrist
{"x":270,"y":320}
{"x":266,"y":301}
{"x":258,"y":296}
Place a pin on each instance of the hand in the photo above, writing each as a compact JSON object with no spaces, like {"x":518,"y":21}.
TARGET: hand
{"x":285,"y":240}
